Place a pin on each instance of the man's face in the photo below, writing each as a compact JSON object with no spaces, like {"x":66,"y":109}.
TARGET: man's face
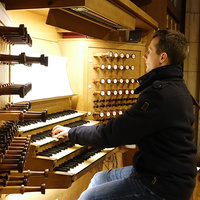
{"x":152,"y":59}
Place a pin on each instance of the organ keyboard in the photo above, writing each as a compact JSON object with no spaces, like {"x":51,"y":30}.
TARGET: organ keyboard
{"x":66,"y":161}
{"x":45,"y":137}
{"x":52,"y":119}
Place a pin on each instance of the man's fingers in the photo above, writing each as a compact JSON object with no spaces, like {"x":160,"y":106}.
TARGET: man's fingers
{"x":60,"y":135}
{"x":57,"y":129}
{"x":60,"y":131}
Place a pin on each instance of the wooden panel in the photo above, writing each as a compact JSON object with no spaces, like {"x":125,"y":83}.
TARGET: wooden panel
{"x":103,"y":8}
{"x":128,"y":155}
{"x":58,"y":18}
{"x":56,"y":180}
{"x":174,"y":11}
{"x":143,"y":20}
{"x":196,"y":193}
{"x":109,"y":101}
{"x":158,"y":10}
{"x":84,"y":49}
{"x":55,"y":104}
{"x":111,"y":12}
{"x":24,"y":4}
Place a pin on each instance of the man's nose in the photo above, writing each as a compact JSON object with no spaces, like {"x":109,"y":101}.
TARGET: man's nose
{"x":144,"y":56}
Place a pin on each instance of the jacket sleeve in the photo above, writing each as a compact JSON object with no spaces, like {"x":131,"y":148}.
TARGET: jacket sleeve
{"x":142,"y":119}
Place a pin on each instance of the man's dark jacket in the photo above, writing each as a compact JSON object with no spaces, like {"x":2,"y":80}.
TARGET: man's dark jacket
{"x":160,"y":124}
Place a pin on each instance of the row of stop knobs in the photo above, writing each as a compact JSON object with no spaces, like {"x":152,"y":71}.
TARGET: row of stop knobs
{"x":110,"y":54}
{"x":114,"y":80}
{"x":114,"y":92}
{"x":114,"y":67}
{"x":110,"y":113}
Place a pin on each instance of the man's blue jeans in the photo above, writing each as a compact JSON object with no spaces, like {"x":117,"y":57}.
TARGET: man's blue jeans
{"x":117,"y":185}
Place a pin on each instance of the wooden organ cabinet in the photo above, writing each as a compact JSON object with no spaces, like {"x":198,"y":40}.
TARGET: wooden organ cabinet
{"x":103,"y":76}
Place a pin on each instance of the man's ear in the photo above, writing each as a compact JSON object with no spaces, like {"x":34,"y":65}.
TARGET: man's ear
{"x":164,"y":60}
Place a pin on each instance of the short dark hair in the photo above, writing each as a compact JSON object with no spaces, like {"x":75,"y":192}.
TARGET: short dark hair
{"x":174,"y":44}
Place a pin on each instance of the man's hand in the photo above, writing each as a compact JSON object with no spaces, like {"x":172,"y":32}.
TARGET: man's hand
{"x":60,"y":131}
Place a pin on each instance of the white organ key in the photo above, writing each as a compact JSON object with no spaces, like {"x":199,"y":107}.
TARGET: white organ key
{"x":89,"y":161}
{"x":62,"y":153}
{"x":50,"y":121}
{"x":45,"y":141}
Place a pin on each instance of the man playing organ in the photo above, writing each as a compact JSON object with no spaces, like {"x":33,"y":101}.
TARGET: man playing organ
{"x":160,"y":123}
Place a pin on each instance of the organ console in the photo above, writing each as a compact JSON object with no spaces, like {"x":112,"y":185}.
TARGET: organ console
{"x":106,"y":85}
{"x":63,"y":158}
{"x":112,"y":93}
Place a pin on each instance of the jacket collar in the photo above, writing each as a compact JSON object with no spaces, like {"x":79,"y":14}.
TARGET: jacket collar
{"x":160,"y":73}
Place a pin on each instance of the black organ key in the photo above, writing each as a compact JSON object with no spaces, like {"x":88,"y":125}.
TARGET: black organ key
{"x":66,"y":166}
{"x":77,"y":123}
{"x":56,"y":149}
